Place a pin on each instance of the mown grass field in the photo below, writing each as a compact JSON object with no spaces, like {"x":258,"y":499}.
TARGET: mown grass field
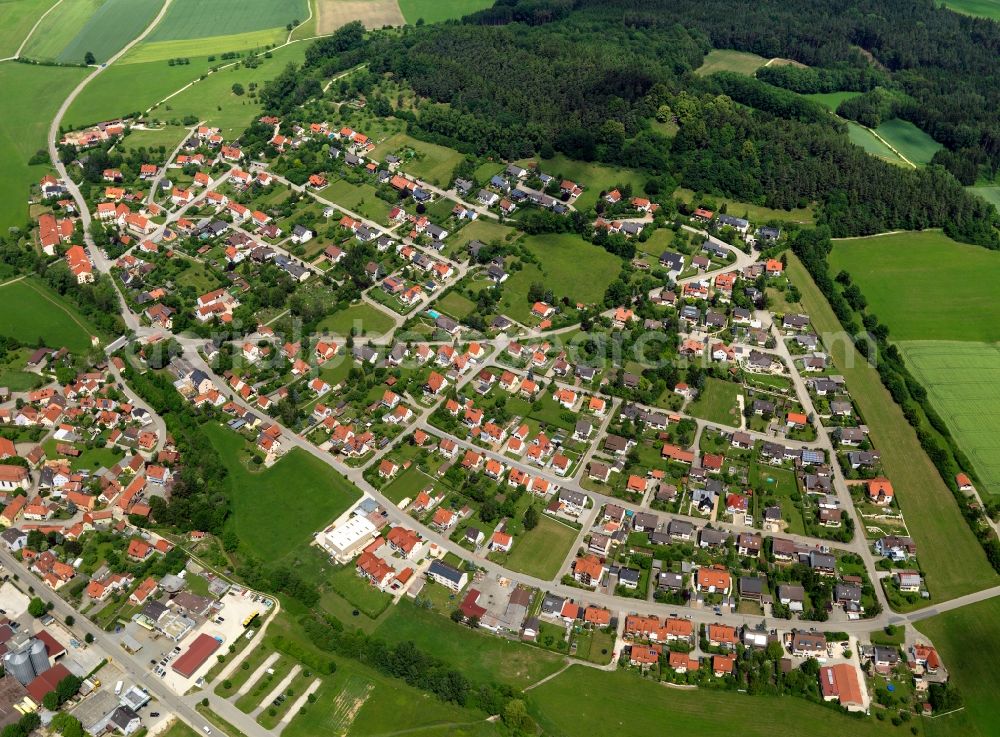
{"x":480,"y":656}
{"x":932,"y":515}
{"x":31,"y":96}
{"x":968,"y":640}
{"x":432,"y":163}
{"x":727,"y":60}
{"x":982,"y":8}
{"x":924,"y":285}
{"x":909,"y":140}
{"x":168,"y":136}
{"x":831,"y":100}
{"x":434,"y":11}
{"x":963,"y":381}
{"x":18,"y":18}
{"x":717,"y":402}
{"x":29,"y":310}
{"x":199,"y":19}
{"x":593,"y":177}
{"x":572,"y":267}
{"x":572,"y":702}
{"x":108,"y":29}
{"x":272,"y":515}
{"x":370,"y":321}
{"x":861,"y":136}
{"x":59,"y":27}
{"x":541,"y":551}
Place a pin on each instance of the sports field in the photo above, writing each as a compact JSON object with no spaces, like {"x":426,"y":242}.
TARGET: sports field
{"x":271,"y":516}
{"x":726,"y":60}
{"x":19,"y":16}
{"x":982,"y":8}
{"x":909,"y":140}
{"x":108,"y":29}
{"x":574,"y":701}
{"x":31,"y":95}
{"x":924,"y":285}
{"x":963,"y":380}
{"x":429,"y":161}
{"x":932,"y":515}
{"x":433,"y":11}
{"x":202,"y":18}
{"x":29,"y":310}
{"x":541,"y":551}
{"x":968,"y":640}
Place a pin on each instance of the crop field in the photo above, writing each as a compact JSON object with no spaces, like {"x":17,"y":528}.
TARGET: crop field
{"x":541,"y":551}
{"x":18,"y":18}
{"x":861,"y":136}
{"x":726,"y":60}
{"x":982,"y":8}
{"x":932,"y":516}
{"x":924,"y":285}
{"x":572,"y":702}
{"x":108,"y":29}
{"x":480,"y":656}
{"x":831,"y":100}
{"x":593,"y":177}
{"x":431,"y":162}
{"x":29,"y":310}
{"x":968,"y":641}
{"x":332,"y":14}
{"x":206,"y":45}
{"x":963,"y":381}
{"x":433,"y":11}
{"x":59,"y":27}
{"x":909,"y":140}
{"x":271,"y":517}
{"x":31,"y":95}
{"x":202,"y":18}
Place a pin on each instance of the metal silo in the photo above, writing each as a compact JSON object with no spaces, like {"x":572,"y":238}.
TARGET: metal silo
{"x":39,"y":657}
{"x":19,"y":665}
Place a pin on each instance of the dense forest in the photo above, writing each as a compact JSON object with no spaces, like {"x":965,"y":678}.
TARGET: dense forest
{"x":593,"y":78}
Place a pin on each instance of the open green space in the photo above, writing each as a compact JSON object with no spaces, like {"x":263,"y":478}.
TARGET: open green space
{"x":924,"y":285}
{"x":717,"y":402}
{"x":831,"y":100}
{"x":727,"y":60}
{"x":407,"y":485}
{"x":108,"y":29}
{"x":989,"y":192}
{"x":429,"y":161}
{"x":359,"y":198}
{"x":541,"y":551}
{"x":982,"y":8}
{"x":755,"y":213}
{"x":90,"y":459}
{"x":29,"y":310}
{"x":358,"y":591}
{"x":572,"y":267}
{"x":161,"y":51}
{"x":31,"y":96}
{"x":480,"y":656}
{"x":455,"y":304}
{"x":968,"y":641}
{"x":279,"y":509}
{"x":19,"y":16}
{"x":932,"y":516}
{"x":593,"y":177}
{"x":198,"y":19}
{"x":963,"y":381}
{"x":179,"y":729}
{"x":368,"y":319}
{"x":168,"y":137}
{"x":572,"y":702}
{"x":909,"y":140}
{"x":861,"y":136}
{"x":434,"y":11}
{"x":58,"y":28}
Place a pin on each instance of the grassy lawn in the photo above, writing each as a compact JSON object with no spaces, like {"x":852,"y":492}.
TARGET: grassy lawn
{"x":593,"y":177}
{"x":990,"y":193}
{"x":480,"y":656}
{"x":861,"y":136}
{"x":31,"y":311}
{"x":271,"y":516}
{"x":359,"y":198}
{"x":932,"y":515}
{"x":90,"y":459}
{"x":370,"y":601}
{"x":430,"y":161}
{"x":108,"y":29}
{"x":455,"y":304}
{"x":982,"y":8}
{"x":972,"y":668}
{"x":595,"y":646}
{"x":757,"y":213}
{"x":265,"y":684}
{"x":433,"y":11}
{"x":909,"y":140}
{"x":717,"y":403}
{"x":19,"y":16}
{"x":572,"y":267}
{"x":368,"y":319}
{"x":408,"y":484}
{"x":831,"y":100}
{"x":179,"y":729}
{"x":726,"y":60}
{"x":541,"y":552}
{"x":31,"y":96}
{"x":951,"y":281}
{"x":574,"y":701}
{"x":168,"y":136}
{"x":483,"y":229}
{"x":963,"y":380}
